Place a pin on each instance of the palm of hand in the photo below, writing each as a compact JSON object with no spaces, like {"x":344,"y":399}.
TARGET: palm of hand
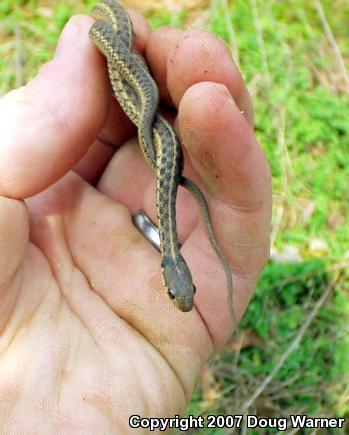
{"x":89,"y":336}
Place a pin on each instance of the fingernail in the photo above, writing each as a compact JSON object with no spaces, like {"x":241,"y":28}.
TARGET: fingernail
{"x":68,"y":39}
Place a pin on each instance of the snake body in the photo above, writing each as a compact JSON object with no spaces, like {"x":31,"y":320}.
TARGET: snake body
{"x":138,"y":95}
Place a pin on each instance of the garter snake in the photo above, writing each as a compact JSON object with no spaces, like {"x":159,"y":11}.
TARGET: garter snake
{"x":138,"y":95}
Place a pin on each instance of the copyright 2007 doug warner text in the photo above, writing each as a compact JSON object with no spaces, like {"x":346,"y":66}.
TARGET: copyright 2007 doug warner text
{"x":231,"y":421}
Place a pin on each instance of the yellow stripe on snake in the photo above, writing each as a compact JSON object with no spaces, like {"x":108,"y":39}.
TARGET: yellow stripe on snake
{"x":138,"y":95}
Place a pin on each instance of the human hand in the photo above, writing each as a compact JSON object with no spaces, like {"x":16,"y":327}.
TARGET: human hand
{"x":88,"y":334}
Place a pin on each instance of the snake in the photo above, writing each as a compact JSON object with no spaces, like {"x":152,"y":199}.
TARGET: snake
{"x":138,"y":95}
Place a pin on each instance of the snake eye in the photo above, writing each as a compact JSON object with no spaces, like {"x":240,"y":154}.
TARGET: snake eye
{"x":171,"y":294}
{"x":194,"y":290}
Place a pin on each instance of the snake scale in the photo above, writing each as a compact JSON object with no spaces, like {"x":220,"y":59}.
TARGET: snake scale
{"x":138,"y":95}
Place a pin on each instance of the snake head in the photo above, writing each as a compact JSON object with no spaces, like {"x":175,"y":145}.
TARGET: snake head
{"x":179,"y":282}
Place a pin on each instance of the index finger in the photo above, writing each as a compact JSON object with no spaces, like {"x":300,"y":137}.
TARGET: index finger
{"x":48,"y":124}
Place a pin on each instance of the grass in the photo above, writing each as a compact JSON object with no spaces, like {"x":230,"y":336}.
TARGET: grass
{"x":288,"y":52}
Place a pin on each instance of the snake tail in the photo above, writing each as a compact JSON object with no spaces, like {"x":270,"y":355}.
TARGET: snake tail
{"x":191,"y":187}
